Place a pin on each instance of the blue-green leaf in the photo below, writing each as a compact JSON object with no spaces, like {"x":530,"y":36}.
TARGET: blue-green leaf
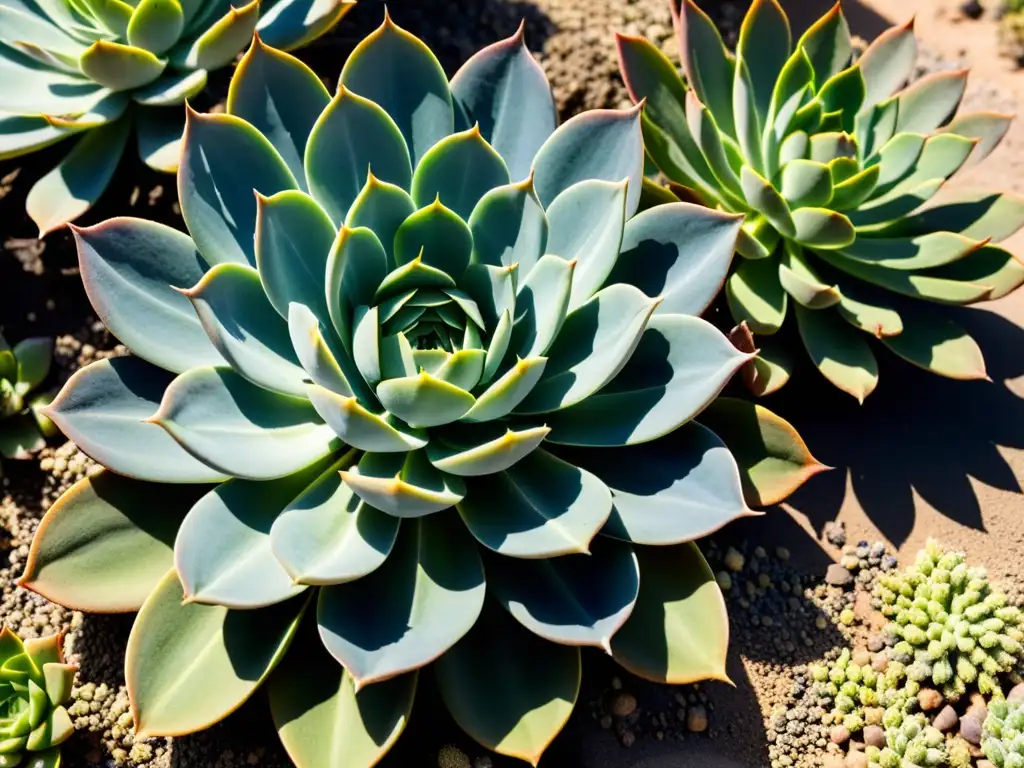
{"x":424,"y":400}
{"x":244,"y":328}
{"x":281,"y":97}
{"x":840,"y":352}
{"x":501,"y":398}
{"x":426,"y":596}
{"x":294,"y":237}
{"x":438,"y":236}
{"x":689,"y":488}
{"x":103,"y":408}
{"x":679,"y":366}
{"x":603,"y":144}
{"x":504,"y":90}
{"x":541,"y":304}
{"x":575,"y":599}
{"x":679,"y":252}
{"x":120,"y":67}
{"x":328,"y":535}
{"x":361,"y":428}
{"x":381,"y":207}
{"x":296,"y":23}
{"x":240,"y":429}
{"x":223,"y":160}
{"x":404,"y":485}
{"x":222,"y":553}
{"x":337,"y":167}
{"x":888,"y":62}
{"x":585,"y":223}
{"x":765,"y":43}
{"x":707,"y":63}
{"x":460,"y":169}
{"x":475,"y":452}
{"x":540,"y":507}
{"x":156,"y":25}
{"x":930,"y":101}
{"x":221,"y":41}
{"x":130,"y":269}
{"x":397,"y":71}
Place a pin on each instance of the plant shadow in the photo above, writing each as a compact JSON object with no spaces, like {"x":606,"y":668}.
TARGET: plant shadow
{"x":917,"y":433}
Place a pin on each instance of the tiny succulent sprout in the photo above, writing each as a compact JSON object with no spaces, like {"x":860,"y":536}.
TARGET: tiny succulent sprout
{"x":388,"y":411}
{"x":23,"y":426}
{"x":1003,"y":733}
{"x":833,"y":160}
{"x":91,"y":71}
{"x":35,"y":684}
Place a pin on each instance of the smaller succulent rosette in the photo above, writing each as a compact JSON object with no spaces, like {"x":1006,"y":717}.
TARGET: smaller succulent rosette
{"x":23,"y":427}
{"x":1003,"y":733}
{"x":96,"y":70}
{"x":35,"y":684}
{"x":835,"y":161}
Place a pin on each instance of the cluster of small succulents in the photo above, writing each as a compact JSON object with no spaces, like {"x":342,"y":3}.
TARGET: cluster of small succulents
{"x":1003,"y":741}
{"x":912,"y":743}
{"x":952,"y":627}
{"x":23,"y":428}
{"x":35,"y":684}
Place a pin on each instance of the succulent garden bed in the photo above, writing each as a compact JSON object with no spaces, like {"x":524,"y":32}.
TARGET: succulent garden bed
{"x":876,"y":660}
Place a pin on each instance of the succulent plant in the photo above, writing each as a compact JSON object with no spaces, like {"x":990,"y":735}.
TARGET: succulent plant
{"x":439,"y":338}
{"x":34,"y":686}
{"x":913,"y":743}
{"x":834,"y":166}
{"x":96,"y":69}
{"x":954,"y":629}
{"x":1003,"y":733}
{"x":23,"y":427}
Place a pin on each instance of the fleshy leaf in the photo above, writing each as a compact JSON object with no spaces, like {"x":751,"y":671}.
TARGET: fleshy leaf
{"x":130,"y":268}
{"x":501,"y":397}
{"x":680,"y":252}
{"x":424,"y":400}
{"x":282,"y":98}
{"x":328,"y":535}
{"x":104,"y":407}
{"x":426,"y":596}
{"x":541,"y":304}
{"x":756,"y":296}
{"x":678,"y":632}
{"x":223,"y":160}
{"x":222,"y":41}
{"x":888,"y":62}
{"x":100,"y":547}
{"x":773,"y":459}
{"x":403,"y":485}
{"x":156,"y":25}
{"x":120,"y":67}
{"x":585,"y":223}
{"x":939,"y":345}
{"x":507,"y":688}
{"x":361,"y":428}
{"x":188,"y":666}
{"x":689,"y":488}
{"x":840,"y":352}
{"x":240,"y":429}
{"x":679,"y":367}
{"x":245,"y":329}
{"x":509,"y":227}
{"x":223,"y":550}
{"x":460,"y":169}
{"x":438,"y":237}
{"x":707,"y":63}
{"x":337,"y":168}
{"x":422,"y":106}
{"x":504,"y":91}
{"x":381,"y":207}
{"x":575,"y":599}
{"x":603,"y":144}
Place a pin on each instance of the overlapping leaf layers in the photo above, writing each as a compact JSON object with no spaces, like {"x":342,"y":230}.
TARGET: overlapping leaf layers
{"x":404,"y":369}
{"x":835,"y":169}
{"x":99,"y":67}
{"x":35,"y":684}
{"x":23,"y":428}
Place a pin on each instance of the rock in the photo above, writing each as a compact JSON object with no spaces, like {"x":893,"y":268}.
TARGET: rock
{"x":986,"y":764}
{"x":835,"y":533}
{"x":696,"y":719}
{"x":876,"y":643}
{"x":929,"y":699}
{"x":724,"y":580}
{"x":452,"y":757}
{"x":857,"y":760}
{"x":839,"y":734}
{"x":972,"y":9}
{"x":624,"y":705}
{"x":978,"y":707}
{"x":483,"y":762}
{"x":946,"y":720}
{"x":1016,"y":694}
{"x":734,"y":560}
{"x":837,"y":576}
{"x":873,"y":715}
{"x":834,"y":761}
{"x":970,"y":728}
{"x":881,"y":662}
{"x":874,"y":736}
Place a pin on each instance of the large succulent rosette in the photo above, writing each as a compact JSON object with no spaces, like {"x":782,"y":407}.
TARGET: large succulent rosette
{"x":433,"y":387}
{"x":97,"y":69}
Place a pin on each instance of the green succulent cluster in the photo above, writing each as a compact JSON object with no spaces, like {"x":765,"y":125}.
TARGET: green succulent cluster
{"x":35,"y":684}
{"x":23,"y":427}
{"x":912,"y":743}
{"x":834,"y":163}
{"x":1003,"y":735}
{"x":96,"y":69}
{"x":388,"y":411}
{"x":953,"y":628}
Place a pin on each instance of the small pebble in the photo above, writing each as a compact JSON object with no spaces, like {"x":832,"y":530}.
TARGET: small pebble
{"x":970,"y":728}
{"x":696,"y":719}
{"x":946,"y":720}
{"x":929,"y":699}
{"x":624,"y":705}
{"x":838,"y":576}
{"x":874,"y":736}
{"x":840,"y":734}
{"x":734,"y":560}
